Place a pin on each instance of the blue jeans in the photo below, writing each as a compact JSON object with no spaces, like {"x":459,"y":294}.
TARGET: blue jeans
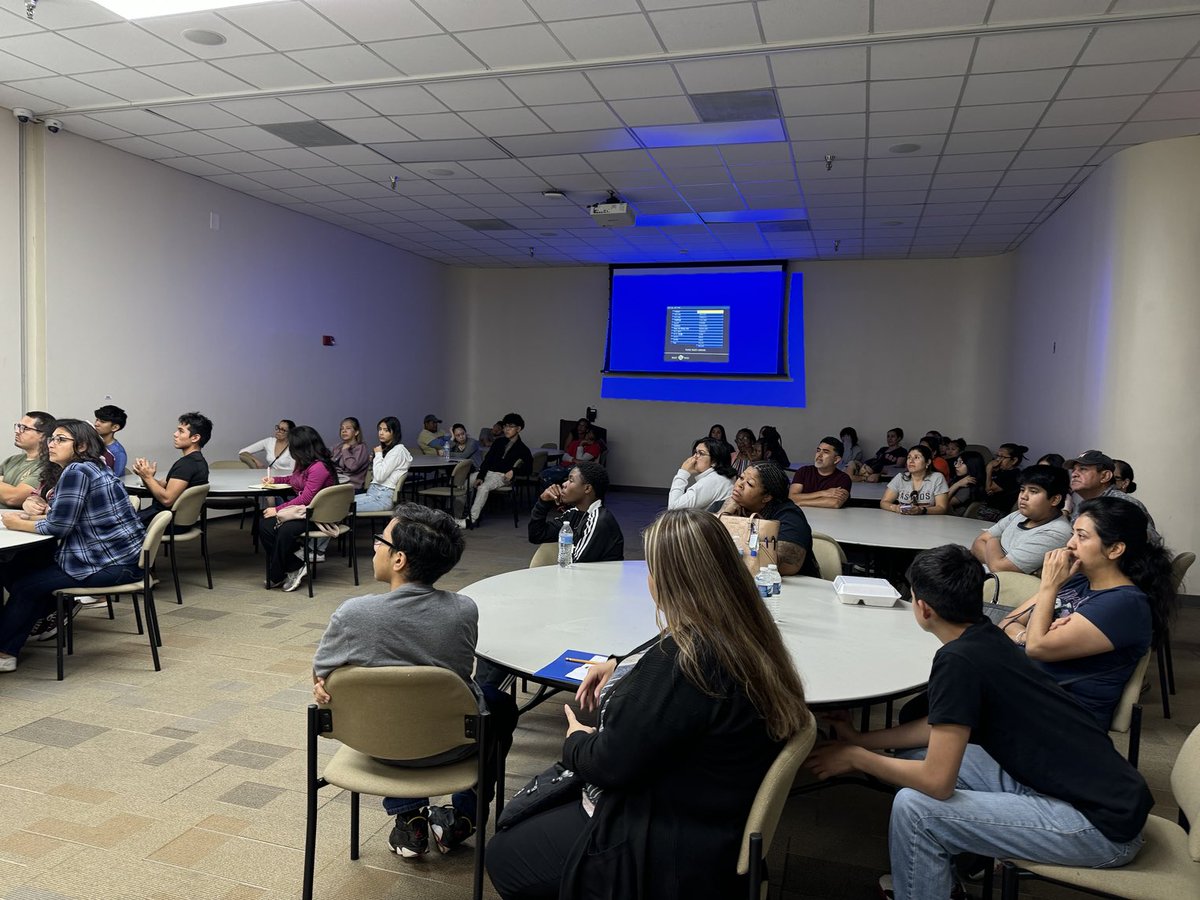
{"x":31,"y":596}
{"x":991,"y":814}
{"x":376,"y":498}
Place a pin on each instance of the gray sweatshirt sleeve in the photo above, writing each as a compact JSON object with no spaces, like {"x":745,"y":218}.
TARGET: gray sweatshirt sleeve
{"x":334,"y":649}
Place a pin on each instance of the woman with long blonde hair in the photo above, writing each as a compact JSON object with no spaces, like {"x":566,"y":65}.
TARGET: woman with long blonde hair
{"x":687,"y":731}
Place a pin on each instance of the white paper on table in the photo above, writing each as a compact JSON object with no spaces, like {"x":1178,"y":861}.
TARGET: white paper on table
{"x":580,"y":672}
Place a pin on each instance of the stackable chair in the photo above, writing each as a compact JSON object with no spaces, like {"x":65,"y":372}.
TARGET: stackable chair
{"x":330,"y":506}
{"x":189,"y":522}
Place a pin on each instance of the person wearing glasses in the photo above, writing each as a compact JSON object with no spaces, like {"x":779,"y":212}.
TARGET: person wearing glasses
{"x":99,"y":536}
{"x":19,"y":474}
{"x":276,"y":455}
{"x":417,"y":624}
{"x":705,"y":479}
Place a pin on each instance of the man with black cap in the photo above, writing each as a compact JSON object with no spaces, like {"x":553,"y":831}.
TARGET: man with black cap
{"x":1092,"y":476}
{"x":430,"y":432}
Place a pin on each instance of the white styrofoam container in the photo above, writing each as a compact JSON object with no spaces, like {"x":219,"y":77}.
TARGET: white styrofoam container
{"x":854,"y":589}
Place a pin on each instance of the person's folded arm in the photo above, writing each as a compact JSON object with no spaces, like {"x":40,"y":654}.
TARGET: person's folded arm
{"x":14,"y":495}
{"x":831,"y":498}
{"x":936,"y":775}
{"x":995,"y":558}
{"x":1071,"y":637}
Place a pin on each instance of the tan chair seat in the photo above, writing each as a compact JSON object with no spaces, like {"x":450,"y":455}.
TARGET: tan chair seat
{"x":362,"y":774}
{"x":339,"y":529}
{"x":128,"y":588}
{"x":443,"y":490}
{"x":191,"y":534}
{"x":1163,"y":870}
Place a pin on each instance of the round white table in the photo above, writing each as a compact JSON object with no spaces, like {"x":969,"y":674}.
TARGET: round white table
{"x":846,"y":655}
{"x":11,"y":541}
{"x":222,"y":483}
{"x":881,"y":528}
{"x":868,"y":490}
{"x":433,"y":462}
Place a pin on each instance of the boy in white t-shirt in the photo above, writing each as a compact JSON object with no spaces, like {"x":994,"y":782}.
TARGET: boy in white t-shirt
{"x":1019,"y":541}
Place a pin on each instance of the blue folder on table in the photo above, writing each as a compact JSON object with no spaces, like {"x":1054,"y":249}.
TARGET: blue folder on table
{"x":561,"y":670}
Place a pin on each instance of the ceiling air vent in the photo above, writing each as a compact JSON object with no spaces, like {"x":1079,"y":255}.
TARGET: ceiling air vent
{"x":736,"y":106}
{"x":784,"y":225}
{"x":487,"y":224}
{"x":308,"y":134}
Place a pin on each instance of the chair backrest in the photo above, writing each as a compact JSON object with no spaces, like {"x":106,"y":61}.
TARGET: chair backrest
{"x":983,"y":450}
{"x":829,"y":554}
{"x":1010,"y":588}
{"x":544,"y":555}
{"x":773,"y":792}
{"x":425,"y":707}
{"x":1185,"y":785}
{"x":228,"y":464}
{"x":459,"y":476}
{"x":539,"y":462}
{"x":1179,"y":567}
{"x":189,"y":505}
{"x":550,"y":446}
{"x":1122,"y":715}
{"x":154,"y":534}
{"x":331,"y":504}
{"x":974,"y":509}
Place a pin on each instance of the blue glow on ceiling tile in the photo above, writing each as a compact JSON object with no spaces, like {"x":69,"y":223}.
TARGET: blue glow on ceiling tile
{"x":760,"y":131}
{"x":756,"y":215}
{"x":668,"y":219}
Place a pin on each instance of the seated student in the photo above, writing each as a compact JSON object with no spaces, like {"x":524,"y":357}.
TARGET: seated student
{"x":99,"y":537}
{"x":109,"y":420}
{"x":20,"y":472}
{"x":686,"y":734}
{"x":191,"y":434}
{"x":508,"y":458}
{"x":1053,"y":459}
{"x":351,"y":456}
{"x":1020,"y":541}
{"x":822,"y":484}
{"x":488,"y":436}
{"x":893,"y":454}
{"x":773,"y":447}
{"x":741,"y":453}
{"x":581,"y":448}
{"x":717,"y":433}
{"x":969,"y":484}
{"x":389,"y":464}
{"x":1103,"y":600}
{"x":415,"y":624}
{"x":315,"y":471}
{"x":936,"y":444}
{"x":1092,"y":476}
{"x":428,"y":434}
{"x":461,"y":445}
{"x":763,"y":489}
{"x":274,"y":450}
{"x":579,"y":500}
{"x":920,"y":490}
{"x":852,"y":456}
{"x":704,"y":478}
{"x":1003,"y":472}
{"x":1123,"y":477}
{"x":1011,"y":767}
{"x":954,"y":449}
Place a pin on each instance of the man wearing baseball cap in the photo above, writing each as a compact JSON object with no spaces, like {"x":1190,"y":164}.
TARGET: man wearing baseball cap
{"x":1092,"y":476}
{"x":430,"y":432}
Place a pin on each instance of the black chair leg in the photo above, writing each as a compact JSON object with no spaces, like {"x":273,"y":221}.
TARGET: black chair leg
{"x":1163,"y":687}
{"x":204,"y":553}
{"x":137,"y":616}
{"x":175,"y":573}
{"x":756,"y":876}
{"x":1166,"y":645}
{"x":61,"y":637}
{"x":152,"y":631}
{"x":354,"y":802}
{"x":310,"y":822}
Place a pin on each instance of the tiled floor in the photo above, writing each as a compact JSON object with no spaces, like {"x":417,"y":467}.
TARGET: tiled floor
{"x":121,"y":782}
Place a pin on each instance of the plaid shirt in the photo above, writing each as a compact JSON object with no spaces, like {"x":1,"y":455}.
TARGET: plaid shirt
{"x":94,"y":521}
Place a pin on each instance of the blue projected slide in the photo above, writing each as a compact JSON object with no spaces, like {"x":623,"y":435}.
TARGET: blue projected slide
{"x":697,"y":332}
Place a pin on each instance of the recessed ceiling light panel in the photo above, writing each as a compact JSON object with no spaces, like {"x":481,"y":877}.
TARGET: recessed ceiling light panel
{"x":145,"y":9}
{"x":204,"y":37}
{"x":904,"y":148}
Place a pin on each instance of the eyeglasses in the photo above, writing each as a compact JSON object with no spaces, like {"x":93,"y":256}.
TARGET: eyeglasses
{"x":380,"y":539}
{"x":21,"y":428}
{"x":59,"y":439}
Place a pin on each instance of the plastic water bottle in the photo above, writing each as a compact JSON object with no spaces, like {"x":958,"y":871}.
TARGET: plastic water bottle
{"x":763,"y":583}
{"x":446,"y":447}
{"x":752,"y":540}
{"x":774,"y":586}
{"x":776,"y":580}
{"x":566,"y":543}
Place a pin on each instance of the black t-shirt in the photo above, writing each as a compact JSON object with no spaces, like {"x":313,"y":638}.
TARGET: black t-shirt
{"x":794,"y":528}
{"x":1035,"y":730}
{"x":192,"y":468}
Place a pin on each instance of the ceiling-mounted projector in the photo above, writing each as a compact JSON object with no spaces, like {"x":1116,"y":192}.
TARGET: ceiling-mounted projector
{"x":612,"y":213}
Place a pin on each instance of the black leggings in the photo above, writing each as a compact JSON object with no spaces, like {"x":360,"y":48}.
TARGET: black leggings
{"x":280,"y":541}
{"x":526,"y":862}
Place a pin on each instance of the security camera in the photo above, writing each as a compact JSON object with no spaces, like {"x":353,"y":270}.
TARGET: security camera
{"x":23,"y":116}
{"x":53,"y":126}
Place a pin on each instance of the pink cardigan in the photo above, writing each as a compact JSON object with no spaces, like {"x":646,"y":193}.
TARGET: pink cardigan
{"x":306,"y":483}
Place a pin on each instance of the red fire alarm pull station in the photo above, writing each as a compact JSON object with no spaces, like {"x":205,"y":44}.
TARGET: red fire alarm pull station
{"x":328,"y":341}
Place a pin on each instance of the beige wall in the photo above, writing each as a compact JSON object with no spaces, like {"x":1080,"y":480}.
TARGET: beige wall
{"x":911,"y":343}
{"x":146,"y":304}
{"x":1112,"y":278}
{"x":10,"y":274}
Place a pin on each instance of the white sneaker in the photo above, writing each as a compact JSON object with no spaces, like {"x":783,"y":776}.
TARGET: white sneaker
{"x":461,"y":523}
{"x":92,"y":601}
{"x":8,"y":664}
{"x":319,"y":557}
{"x":294,"y":579}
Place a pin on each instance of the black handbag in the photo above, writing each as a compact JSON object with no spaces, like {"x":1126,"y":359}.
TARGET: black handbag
{"x":554,"y":787}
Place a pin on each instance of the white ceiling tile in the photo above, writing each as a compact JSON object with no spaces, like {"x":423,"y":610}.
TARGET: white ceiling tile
{"x":65,"y":14}
{"x":195,"y":166}
{"x":371,"y":131}
{"x":63,"y":91}
{"x":1049,"y":159}
{"x":560,"y":87}
{"x":569,"y":142}
{"x":496,"y":168}
{"x":436,"y":126}
{"x":1028,"y":50}
{"x":353,"y":154}
{"x":12,"y":24}
{"x":55,"y":53}
{"x":927,"y":145}
{"x":787,"y":20}
{"x":241,"y":162}
{"x":128,"y":84}
{"x":248,"y":137}
{"x":171,"y":28}
{"x":656,"y":111}
{"x":266,"y":111}
{"x":129,"y":45}
{"x":520,"y":45}
{"x":903,"y":15}
{"x":1012,"y":87}
{"x":1027,"y":192}
{"x":487,"y":93}
{"x":998,"y":117}
{"x":556,"y":10}
{"x":377,"y":20}
{"x":462,"y":15}
{"x":137,"y":121}
{"x":143,"y":147}
{"x":1178,"y":105}
{"x":744,"y":73}
{"x":820,"y":66}
{"x":1039,"y":176}
{"x":90,"y":128}
{"x":754,"y":154}
{"x":901,"y":165}
{"x":692,"y":175}
{"x":498,"y":122}
{"x":281,"y":179}
{"x":636,"y":82}
{"x":442,"y":151}
{"x":289,"y":158}
{"x":1186,"y":77}
{"x":615,"y":161}
{"x":629,"y":35}
{"x":717,"y":26}
{"x":956,"y":180}
{"x":196,"y":78}
{"x":1141,"y":132}
{"x":1091,"y":112}
{"x":975,"y":162}
{"x":193,"y":143}
{"x":330,"y":105}
{"x":985,"y":141}
{"x":432,"y":55}
{"x":826,"y":99}
{"x":315,"y":193}
{"x":13,"y":68}
{"x":287,"y":26}
{"x":271,"y":71}
{"x":1004,"y":11}
{"x":352,"y":63}
{"x":1071,"y":136}
{"x":1140,"y":41}
{"x":333,"y":175}
{"x":1107,"y":81}
{"x":916,"y":93}
{"x":813,"y":151}
{"x":400,"y":101}
{"x":909,"y":121}
{"x":921,"y":59}
{"x":580,"y":116}
{"x":811,"y":128}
